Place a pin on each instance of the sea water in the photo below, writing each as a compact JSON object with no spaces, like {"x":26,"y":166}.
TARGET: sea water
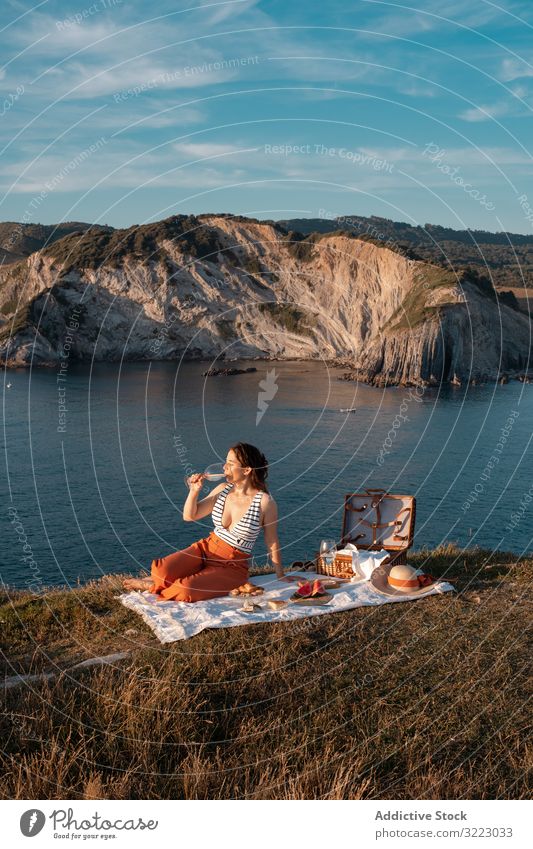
{"x":94,"y":474}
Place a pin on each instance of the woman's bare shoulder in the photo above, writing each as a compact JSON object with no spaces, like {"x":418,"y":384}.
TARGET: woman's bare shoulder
{"x":267,"y":501}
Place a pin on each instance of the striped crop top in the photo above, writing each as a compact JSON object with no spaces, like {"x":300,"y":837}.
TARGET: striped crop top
{"x":246,"y":531}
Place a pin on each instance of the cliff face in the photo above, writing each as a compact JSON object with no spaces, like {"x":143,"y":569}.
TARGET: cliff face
{"x":465,"y":336}
{"x":232,"y":287}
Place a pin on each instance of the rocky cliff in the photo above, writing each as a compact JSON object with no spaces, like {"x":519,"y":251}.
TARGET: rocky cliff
{"x":220,"y":286}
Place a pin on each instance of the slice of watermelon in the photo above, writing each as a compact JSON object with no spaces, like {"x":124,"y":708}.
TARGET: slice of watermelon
{"x":318,"y":588}
{"x":304,"y":590}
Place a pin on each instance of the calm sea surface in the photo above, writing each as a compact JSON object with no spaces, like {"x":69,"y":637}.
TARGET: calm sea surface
{"x":105,"y":493}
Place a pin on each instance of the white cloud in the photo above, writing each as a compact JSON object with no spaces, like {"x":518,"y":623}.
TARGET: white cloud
{"x":317,"y":64}
{"x":134,"y":77}
{"x":201,"y":150}
{"x":103,"y":56}
{"x":485,"y":113}
{"x":519,"y":90}
{"x":482,"y":157}
{"x":413,"y":89}
{"x":229,"y":10}
{"x":513,"y":69}
{"x":433,"y":17}
{"x":132,"y":166}
{"x":184,"y":116}
{"x":135,"y":114}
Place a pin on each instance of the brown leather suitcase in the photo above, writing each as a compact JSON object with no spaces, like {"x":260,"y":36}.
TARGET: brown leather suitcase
{"x":373,"y":520}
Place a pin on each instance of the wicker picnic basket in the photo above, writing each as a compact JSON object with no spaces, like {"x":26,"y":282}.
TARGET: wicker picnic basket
{"x":373,"y":520}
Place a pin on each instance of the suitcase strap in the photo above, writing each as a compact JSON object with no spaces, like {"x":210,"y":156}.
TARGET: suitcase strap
{"x":375,"y":525}
{"x":351,"y":539}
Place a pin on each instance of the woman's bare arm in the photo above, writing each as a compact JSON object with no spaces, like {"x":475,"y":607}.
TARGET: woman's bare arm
{"x":270,"y":527}
{"x":194,"y":509}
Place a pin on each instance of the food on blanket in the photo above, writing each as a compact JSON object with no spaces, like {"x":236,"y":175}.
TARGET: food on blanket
{"x":305,"y":588}
{"x":403,"y":578}
{"x":250,"y":606}
{"x":247,"y":589}
{"x":277,"y":603}
{"x":427,"y":580}
{"x":308,"y":590}
{"x":311,"y":593}
{"x":311,"y":600}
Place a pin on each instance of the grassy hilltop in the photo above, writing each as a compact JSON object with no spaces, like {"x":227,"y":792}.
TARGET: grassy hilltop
{"x":422,"y":700}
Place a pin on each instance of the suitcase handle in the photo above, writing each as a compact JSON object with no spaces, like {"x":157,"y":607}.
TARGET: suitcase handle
{"x":370,"y":491}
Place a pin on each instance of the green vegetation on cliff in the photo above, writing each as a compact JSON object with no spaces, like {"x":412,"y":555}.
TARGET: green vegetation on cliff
{"x":291,"y":318}
{"x":506,"y":257}
{"x":414,"y":309}
{"x":142,"y":243}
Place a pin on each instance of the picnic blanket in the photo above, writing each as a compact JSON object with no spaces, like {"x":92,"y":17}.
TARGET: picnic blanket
{"x":176,"y":620}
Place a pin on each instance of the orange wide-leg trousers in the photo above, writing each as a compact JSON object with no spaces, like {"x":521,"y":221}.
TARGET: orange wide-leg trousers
{"x":206,"y":569}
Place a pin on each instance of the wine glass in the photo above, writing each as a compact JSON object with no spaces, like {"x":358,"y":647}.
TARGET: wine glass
{"x":356,"y":566}
{"x":214,"y":472}
{"x":328,"y":548}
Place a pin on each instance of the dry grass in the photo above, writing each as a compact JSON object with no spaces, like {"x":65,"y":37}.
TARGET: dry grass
{"x":424,"y":700}
{"x":524,"y":296}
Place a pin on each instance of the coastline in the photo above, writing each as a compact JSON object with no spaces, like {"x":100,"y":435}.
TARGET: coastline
{"x":349,"y":374}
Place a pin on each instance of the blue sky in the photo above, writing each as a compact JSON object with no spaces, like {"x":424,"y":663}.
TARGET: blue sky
{"x":124,"y":112}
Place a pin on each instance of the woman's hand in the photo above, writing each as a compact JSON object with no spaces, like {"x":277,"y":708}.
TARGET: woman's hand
{"x":196,"y":482}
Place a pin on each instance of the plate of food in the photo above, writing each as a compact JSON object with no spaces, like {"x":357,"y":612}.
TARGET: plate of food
{"x":309,"y":594}
{"x":245,"y":590}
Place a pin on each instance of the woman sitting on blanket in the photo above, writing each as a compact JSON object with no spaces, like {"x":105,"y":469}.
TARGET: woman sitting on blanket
{"x":219,"y":563}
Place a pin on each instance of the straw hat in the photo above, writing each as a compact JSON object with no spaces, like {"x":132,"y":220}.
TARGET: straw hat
{"x":401,"y":580}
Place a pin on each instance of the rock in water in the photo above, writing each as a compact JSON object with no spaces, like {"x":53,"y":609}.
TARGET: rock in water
{"x":215,"y":372}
